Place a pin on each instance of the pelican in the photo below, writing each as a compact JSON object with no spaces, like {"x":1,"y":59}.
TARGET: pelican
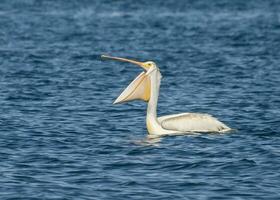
{"x":146,"y":87}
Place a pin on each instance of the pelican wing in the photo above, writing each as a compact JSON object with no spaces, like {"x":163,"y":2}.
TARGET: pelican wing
{"x":192,"y":122}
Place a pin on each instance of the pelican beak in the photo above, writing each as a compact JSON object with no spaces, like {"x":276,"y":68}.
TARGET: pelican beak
{"x":141,"y":64}
{"x":139,"y":88}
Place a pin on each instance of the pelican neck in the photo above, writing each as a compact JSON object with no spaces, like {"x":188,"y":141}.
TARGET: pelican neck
{"x":151,"y":119}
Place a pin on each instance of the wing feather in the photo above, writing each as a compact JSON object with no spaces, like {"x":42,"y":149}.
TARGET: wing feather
{"x":192,"y":122}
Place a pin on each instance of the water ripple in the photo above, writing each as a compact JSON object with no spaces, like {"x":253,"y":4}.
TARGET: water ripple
{"x":61,"y":137}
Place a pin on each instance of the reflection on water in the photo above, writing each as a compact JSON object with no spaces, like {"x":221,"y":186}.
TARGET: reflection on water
{"x":154,"y":141}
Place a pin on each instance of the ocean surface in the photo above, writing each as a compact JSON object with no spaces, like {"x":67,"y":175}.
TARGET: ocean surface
{"x":62,"y":138}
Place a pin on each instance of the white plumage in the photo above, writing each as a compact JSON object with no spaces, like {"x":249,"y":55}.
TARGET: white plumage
{"x":146,"y":87}
{"x":192,"y":122}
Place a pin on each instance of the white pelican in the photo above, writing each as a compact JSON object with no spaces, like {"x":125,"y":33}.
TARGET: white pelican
{"x":146,"y":87}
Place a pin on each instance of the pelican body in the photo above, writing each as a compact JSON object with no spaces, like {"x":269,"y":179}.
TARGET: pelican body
{"x":146,"y":87}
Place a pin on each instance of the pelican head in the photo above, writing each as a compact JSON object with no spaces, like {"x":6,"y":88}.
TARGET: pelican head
{"x":147,"y":66}
{"x":140,"y":87}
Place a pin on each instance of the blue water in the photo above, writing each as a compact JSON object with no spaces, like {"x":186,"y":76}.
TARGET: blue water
{"x":61,"y":137}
